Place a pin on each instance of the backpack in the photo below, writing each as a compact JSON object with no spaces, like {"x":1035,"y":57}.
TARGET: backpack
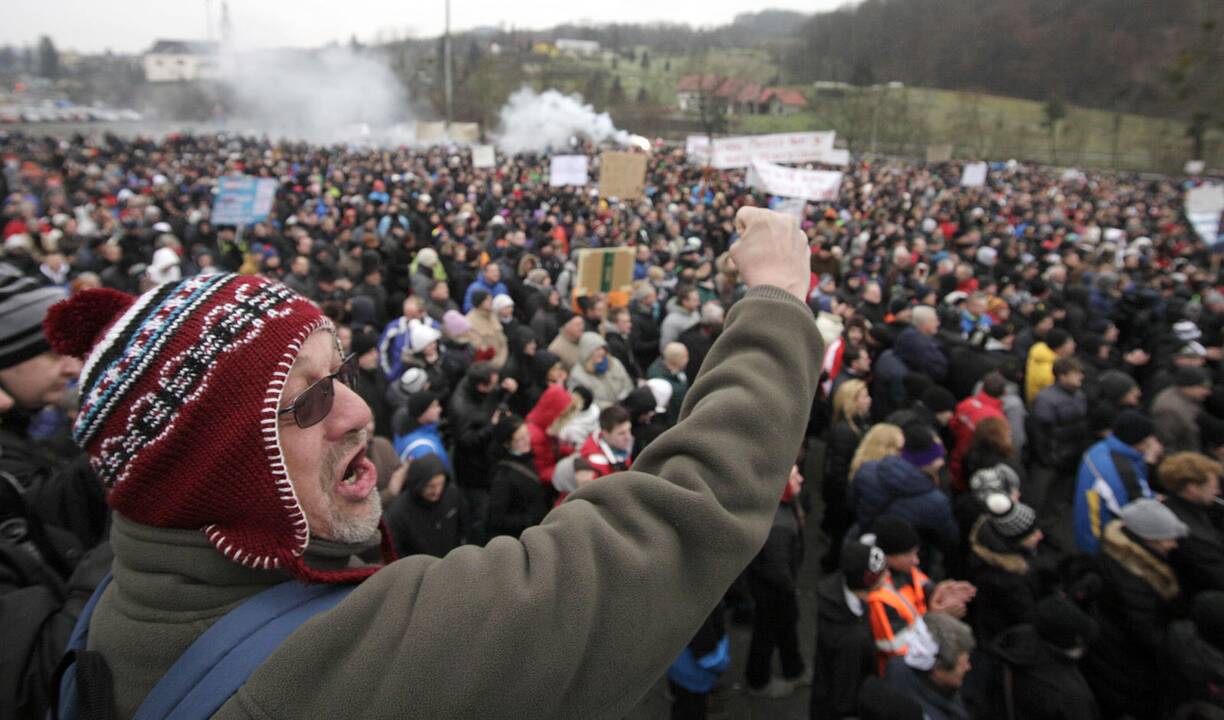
{"x":209,"y":672}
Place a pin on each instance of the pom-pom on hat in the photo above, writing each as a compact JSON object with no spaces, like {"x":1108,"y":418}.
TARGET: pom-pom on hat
{"x":179,"y":397}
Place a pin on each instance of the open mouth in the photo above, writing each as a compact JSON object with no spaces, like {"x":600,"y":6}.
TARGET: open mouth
{"x":359,"y":477}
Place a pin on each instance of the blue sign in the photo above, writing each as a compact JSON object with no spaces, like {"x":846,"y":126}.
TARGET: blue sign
{"x":242,"y":200}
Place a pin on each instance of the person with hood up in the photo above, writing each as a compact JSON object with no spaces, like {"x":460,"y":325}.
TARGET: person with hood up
{"x":773,"y":578}
{"x":431,"y":516}
{"x":426,"y":270}
{"x":523,"y":347}
{"x":486,"y":333}
{"x":845,"y":648}
{"x":642,"y":408}
{"x":1041,"y":675}
{"x":934,"y":669}
{"x":599,"y":372}
{"x":417,"y":431}
{"x":1140,"y":596}
{"x":371,"y":380}
{"x":906,"y":485}
{"x":517,"y":497}
{"x":1112,"y":474}
{"x":553,"y":410}
{"x":1113,"y":392}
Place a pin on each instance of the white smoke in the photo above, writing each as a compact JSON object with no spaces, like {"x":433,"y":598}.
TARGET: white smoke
{"x":535,"y":122}
{"x":328,"y":95}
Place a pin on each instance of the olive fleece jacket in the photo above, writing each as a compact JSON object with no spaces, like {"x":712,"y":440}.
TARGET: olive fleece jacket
{"x":575,"y":619}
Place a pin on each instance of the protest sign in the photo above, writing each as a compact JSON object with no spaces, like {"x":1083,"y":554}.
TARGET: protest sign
{"x":974,"y":175}
{"x":568,"y":170}
{"x":841,"y":158}
{"x":242,"y":200}
{"x":605,"y":270}
{"x":815,"y":185}
{"x":622,"y":175}
{"x":697,"y":147}
{"x":465,"y":132}
{"x":483,"y":156}
{"x":430,"y":131}
{"x":1195,"y":167}
{"x":1203,"y":207}
{"x":740,"y":152}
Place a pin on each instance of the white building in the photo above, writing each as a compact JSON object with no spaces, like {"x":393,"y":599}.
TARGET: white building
{"x":578,"y":47}
{"x":182,"y":61}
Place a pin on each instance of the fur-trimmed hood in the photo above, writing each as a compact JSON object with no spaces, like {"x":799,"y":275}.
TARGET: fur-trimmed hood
{"x":1139,"y":560}
{"x":989,"y":548}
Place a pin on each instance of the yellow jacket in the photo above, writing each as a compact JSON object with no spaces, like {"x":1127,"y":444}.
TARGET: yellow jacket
{"x":1039,"y":372}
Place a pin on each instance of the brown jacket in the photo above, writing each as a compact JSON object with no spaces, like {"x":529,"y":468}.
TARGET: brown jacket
{"x":576,"y":619}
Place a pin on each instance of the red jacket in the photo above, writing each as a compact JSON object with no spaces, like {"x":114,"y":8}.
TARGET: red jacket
{"x":969,"y":412}
{"x":546,"y":450}
{"x":594,"y":451}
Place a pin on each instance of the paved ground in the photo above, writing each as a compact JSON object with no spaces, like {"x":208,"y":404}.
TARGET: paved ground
{"x":731,"y":701}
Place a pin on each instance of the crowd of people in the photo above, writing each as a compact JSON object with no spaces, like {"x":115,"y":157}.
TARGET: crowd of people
{"x":1013,"y":457}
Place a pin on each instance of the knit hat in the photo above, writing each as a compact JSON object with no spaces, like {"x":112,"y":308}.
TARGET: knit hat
{"x":662,"y":391}
{"x":863,"y":565}
{"x":894,"y":535}
{"x":455,"y":325}
{"x":1012,"y":520}
{"x":1208,"y":615}
{"x":939,"y":399}
{"x":179,"y":400}
{"x":1132,"y":427}
{"x":1062,"y":624}
{"x":501,"y":302}
{"x":427,"y":257}
{"x":921,"y":448}
{"x":421,"y":336}
{"x":413,"y":381}
{"x":419,"y":402}
{"x":363,"y":342}
{"x":23,"y":305}
{"x":1114,"y":385}
{"x":1151,"y":520}
{"x":998,"y":479}
{"x":478,"y":297}
{"x":1191,"y":376}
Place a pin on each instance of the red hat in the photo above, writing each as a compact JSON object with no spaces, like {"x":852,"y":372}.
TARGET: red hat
{"x":179,"y":399}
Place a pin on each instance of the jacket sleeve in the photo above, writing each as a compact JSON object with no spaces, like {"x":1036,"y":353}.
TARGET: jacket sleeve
{"x":581,"y":615}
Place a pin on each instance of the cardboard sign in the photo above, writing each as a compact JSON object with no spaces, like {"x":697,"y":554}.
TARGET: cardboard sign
{"x":974,"y":175}
{"x":483,"y":156}
{"x":605,"y":270}
{"x":242,"y":200}
{"x":430,"y":131}
{"x":465,"y":132}
{"x":568,"y":170}
{"x":815,"y":185}
{"x":740,"y":152}
{"x":939,"y":153}
{"x":622,"y":175}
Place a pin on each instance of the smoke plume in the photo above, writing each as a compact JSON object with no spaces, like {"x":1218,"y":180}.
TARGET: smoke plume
{"x":535,"y":122}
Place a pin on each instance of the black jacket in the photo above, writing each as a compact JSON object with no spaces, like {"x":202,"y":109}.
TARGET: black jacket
{"x":644,"y":337}
{"x":698,"y":339}
{"x":1008,"y":579}
{"x":1045,"y":684}
{"x":471,"y":421}
{"x":419,"y":527}
{"x":843,"y":442}
{"x":777,"y":564}
{"x":845,"y":652}
{"x":517,"y":499}
{"x":1195,"y":672}
{"x":1199,"y":558}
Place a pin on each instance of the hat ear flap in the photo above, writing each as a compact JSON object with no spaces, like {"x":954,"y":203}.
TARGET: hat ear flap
{"x":73,"y":326}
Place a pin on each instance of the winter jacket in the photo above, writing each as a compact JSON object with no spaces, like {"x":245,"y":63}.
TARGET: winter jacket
{"x":677,"y":321}
{"x":1139,"y":598}
{"x":1059,"y":425}
{"x":424,"y":440}
{"x":707,"y":656}
{"x":603,"y":458}
{"x":888,"y":385}
{"x":546,"y":449}
{"x":471,"y":418}
{"x":969,"y":412}
{"x":391,"y":347}
{"x":480,"y":284}
{"x":843,"y":442}
{"x":1038,"y":370}
{"x":921,"y":353}
{"x":629,"y":568}
{"x":419,"y":527}
{"x":1008,"y":582}
{"x":621,"y":348}
{"x":777,"y":563}
{"x":517,"y":499}
{"x":1111,"y":475}
{"x":698,"y":340}
{"x":1176,"y":420}
{"x":679,"y":382}
{"x":937,"y":703}
{"x":1199,"y":558}
{"x":487,"y":334}
{"x":1195,"y":671}
{"x":845,"y":650}
{"x":608,"y":387}
{"x":566,"y":350}
{"x":644,"y":337}
{"x":1046,"y":684}
{"x":894,"y":486}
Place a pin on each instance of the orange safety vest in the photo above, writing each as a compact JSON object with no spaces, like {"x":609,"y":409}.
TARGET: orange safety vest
{"x":907,"y":603}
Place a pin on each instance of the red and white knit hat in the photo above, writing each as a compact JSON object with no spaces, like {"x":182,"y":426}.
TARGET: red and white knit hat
{"x":179,"y":398}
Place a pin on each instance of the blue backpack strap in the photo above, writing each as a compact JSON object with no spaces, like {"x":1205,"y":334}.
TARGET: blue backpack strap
{"x":221,"y":659}
{"x":66,"y":705}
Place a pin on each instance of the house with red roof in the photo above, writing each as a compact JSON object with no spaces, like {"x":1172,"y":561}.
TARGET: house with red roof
{"x":737,"y":96}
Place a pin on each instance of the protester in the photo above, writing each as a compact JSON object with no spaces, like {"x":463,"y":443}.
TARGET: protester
{"x":1112,"y":474}
{"x":934,"y":669}
{"x":1192,"y":482}
{"x":431,"y":516}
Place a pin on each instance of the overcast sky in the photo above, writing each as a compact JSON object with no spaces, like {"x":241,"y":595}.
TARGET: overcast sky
{"x":133,"y":25}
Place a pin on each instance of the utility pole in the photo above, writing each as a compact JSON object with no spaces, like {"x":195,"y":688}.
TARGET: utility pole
{"x":446,"y":59}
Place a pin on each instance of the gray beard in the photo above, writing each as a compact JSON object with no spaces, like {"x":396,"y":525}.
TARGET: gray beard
{"x":357,"y":530}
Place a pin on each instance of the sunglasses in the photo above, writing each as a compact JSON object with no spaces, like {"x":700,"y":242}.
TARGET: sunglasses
{"x":315,"y":402}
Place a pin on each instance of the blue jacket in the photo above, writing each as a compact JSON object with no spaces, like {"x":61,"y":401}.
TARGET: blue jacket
{"x":391,"y":348}
{"x":425,"y":440}
{"x":894,"y":486}
{"x":700,"y":675}
{"x":480,"y":284}
{"x":1100,"y":491}
{"x":921,"y":354}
